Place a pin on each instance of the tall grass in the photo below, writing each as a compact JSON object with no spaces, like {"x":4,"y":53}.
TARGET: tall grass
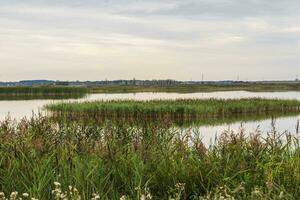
{"x":189,"y":88}
{"x":41,"y":90}
{"x":182,"y":108}
{"x":150,"y":162}
{"x":41,"y":96}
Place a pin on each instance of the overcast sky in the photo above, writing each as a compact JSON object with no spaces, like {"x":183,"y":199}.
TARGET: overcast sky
{"x":149,"y":39}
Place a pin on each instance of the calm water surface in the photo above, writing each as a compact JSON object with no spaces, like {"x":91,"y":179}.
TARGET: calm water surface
{"x":24,"y":108}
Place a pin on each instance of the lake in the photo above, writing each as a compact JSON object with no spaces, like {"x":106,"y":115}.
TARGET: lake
{"x":18,"y":109}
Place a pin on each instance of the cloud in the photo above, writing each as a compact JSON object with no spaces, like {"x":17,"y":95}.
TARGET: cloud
{"x":120,"y":38}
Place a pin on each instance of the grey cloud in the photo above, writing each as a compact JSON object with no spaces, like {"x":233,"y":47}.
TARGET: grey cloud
{"x":212,"y":8}
{"x":188,"y":8}
{"x":123,"y":35}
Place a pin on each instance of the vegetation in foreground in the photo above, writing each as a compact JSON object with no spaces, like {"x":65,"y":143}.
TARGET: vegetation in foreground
{"x":175,"y":109}
{"x":47,"y":160}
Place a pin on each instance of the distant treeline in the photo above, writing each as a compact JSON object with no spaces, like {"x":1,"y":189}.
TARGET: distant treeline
{"x":136,"y":82}
{"x":134,"y":86}
{"x":90,"y":83}
{"x":197,"y":87}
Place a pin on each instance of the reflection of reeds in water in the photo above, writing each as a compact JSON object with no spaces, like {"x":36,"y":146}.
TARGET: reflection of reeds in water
{"x":167,"y":119}
{"x":118,"y":160}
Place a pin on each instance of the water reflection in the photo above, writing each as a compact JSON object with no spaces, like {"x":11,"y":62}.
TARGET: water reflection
{"x":282,"y":124}
{"x":203,"y":95}
{"x":207,"y":128}
{"x":20,"y":106}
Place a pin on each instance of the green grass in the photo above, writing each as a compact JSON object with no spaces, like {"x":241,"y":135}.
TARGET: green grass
{"x":191,"y":88}
{"x":179,"y":88}
{"x":31,"y":96}
{"x":41,"y":90}
{"x":181,"y":109}
{"x":116,"y":160}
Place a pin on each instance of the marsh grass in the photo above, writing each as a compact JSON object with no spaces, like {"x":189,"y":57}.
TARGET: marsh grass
{"x":176,"y":110}
{"x":31,"y":96}
{"x":191,"y":88}
{"x":40,"y":90}
{"x":121,"y":161}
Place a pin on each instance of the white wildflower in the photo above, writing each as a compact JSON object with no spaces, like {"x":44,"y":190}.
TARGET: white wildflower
{"x":25,"y":195}
{"x":149,"y":196}
{"x":123,"y":197}
{"x":143,"y":197}
{"x":57,"y":184}
{"x":13,"y":195}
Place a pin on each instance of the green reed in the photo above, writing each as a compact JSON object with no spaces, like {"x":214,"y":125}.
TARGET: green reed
{"x":182,"y":108}
{"x":41,"y":90}
{"x":190,"y":88}
{"x":117,"y":161}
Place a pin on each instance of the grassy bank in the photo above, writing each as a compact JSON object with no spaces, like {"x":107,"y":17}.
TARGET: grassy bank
{"x":190,"y":88}
{"x":152,"y":162}
{"x":41,"y":91}
{"x":31,"y":96}
{"x":178,"y":88}
{"x":175,"y":109}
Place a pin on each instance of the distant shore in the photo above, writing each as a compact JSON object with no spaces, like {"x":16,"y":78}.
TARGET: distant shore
{"x":192,"y":88}
{"x":133,"y":88}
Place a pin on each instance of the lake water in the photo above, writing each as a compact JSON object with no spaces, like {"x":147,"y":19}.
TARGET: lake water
{"x":24,"y":108}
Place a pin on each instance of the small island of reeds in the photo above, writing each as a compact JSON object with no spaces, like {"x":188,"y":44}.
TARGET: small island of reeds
{"x":173,"y":109}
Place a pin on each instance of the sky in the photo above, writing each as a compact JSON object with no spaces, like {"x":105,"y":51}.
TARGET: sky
{"x":149,"y":39}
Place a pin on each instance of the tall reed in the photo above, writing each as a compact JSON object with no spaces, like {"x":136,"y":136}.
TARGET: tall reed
{"x":120,"y":161}
{"x":175,"y":109}
{"x":41,"y":90}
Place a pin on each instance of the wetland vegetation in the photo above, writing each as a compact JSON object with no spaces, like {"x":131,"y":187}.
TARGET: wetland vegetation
{"x":62,"y":158}
{"x":181,"y":109}
{"x":57,"y":96}
{"x":198,"y":87}
{"x":132,"y":88}
{"x":41,"y":91}
{"x":118,"y":161}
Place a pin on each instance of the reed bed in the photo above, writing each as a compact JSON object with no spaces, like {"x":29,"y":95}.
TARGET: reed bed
{"x":31,"y":96}
{"x":190,"y":88}
{"x":41,"y":90}
{"x":174,"y":109}
{"x":43,"y":159}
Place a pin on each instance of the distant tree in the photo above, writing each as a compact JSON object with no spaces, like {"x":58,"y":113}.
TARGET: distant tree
{"x":62,"y":83}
